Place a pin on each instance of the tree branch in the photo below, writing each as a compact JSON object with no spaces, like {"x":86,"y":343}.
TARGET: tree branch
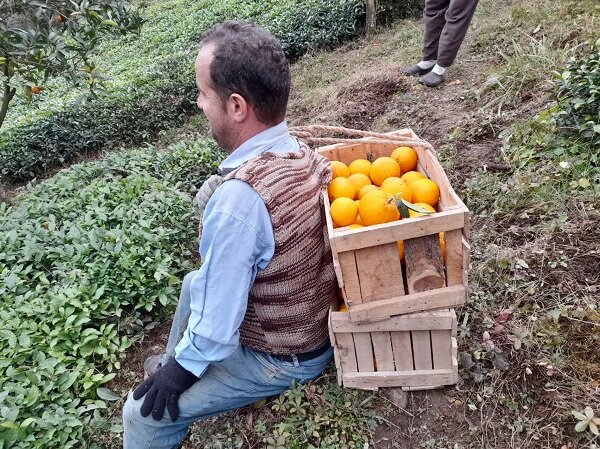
{"x":8,"y":94}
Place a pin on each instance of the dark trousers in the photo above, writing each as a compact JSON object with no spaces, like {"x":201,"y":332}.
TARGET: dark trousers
{"x":446,"y":24}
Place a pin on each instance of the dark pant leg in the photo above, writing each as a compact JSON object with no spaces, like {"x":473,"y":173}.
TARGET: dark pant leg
{"x":458,"y":18}
{"x":434,"y":15}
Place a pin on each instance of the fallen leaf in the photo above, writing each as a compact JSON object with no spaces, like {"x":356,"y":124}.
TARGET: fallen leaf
{"x":454,"y":82}
{"x":503,"y":316}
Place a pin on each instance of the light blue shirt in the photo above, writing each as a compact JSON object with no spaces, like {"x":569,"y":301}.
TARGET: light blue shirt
{"x":237,"y":242}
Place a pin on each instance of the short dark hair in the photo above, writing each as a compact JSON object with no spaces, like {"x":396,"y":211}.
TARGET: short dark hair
{"x":249,"y":61}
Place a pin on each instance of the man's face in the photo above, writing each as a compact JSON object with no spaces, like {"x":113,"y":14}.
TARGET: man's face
{"x":210,"y":102}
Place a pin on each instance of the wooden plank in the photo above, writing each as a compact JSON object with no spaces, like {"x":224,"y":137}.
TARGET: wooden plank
{"x":379,"y":272}
{"x":436,"y":319}
{"x":454,"y":257}
{"x":336,"y":351}
{"x":352,"y":293}
{"x":371,"y":16}
{"x":454,"y":322}
{"x":402,"y":348}
{"x":423,"y":378}
{"x":466,"y":253}
{"x":382,"y":349}
{"x":441,"y":348}
{"x":336,"y":263}
{"x":421,"y":343}
{"x":398,"y":230}
{"x":424,"y":267}
{"x":348,"y":358}
{"x":441,"y":298}
{"x":433,"y":168}
{"x":364,"y":351}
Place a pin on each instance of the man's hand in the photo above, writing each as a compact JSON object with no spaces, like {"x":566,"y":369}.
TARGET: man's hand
{"x":163,"y":388}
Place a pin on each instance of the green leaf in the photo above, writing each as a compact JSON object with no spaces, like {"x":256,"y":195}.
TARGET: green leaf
{"x":109,"y":22}
{"x":106,"y":394}
{"x":581,"y":426}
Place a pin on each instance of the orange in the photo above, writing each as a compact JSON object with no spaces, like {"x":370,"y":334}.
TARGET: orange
{"x":411,"y":176}
{"x":357,"y":202}
{"x":360,"y":166}
{"x":343,"y":211}
{"x":383,"y":167}
{"x":396,"y":186}
{"x":355,"y":226}
{"x":414,"y":213}
{"x":366,"y":189}
{"x":425,"y":191}
{"x":376,"y":207}
{"x":339,"y":169}
{"x":406,"y":158}
{"x":401,"y":249}
{"x":341,"y":187}
{"x":443,"y":246}
{"x":343,"y":308}
{"x":358,"y":220}
{"x":360,"y":180}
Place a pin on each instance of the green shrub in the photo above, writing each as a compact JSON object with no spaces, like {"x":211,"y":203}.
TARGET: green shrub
{"x":83,"y":257}
{"x":152,"y":81}
{"x":578,"y":97}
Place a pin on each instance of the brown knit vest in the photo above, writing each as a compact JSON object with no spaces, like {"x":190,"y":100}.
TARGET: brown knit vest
{"x":289,"y":301}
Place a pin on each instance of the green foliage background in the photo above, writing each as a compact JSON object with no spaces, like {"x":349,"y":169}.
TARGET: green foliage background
{"x":82,"y":258}
{"x":151,"y":84}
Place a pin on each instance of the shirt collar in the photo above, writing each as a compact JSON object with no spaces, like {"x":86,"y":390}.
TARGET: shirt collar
{"x":264,"y":141}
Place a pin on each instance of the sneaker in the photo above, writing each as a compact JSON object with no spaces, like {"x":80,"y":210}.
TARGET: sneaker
{"x":432,"y":79}
{"x":153,"y":364}
{"x":415,"y":70}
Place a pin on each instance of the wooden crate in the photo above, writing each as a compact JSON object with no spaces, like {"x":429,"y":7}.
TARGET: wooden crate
{"x":374,"y":283}
{"x":414,"y":351}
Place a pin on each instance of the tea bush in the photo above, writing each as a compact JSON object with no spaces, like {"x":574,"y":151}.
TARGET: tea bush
{"x":578,"y":97}
{"x":152,"y":85}
{"x":83,"y":257}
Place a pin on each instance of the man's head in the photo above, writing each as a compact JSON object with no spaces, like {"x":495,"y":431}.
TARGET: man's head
{"x":244,"y":81}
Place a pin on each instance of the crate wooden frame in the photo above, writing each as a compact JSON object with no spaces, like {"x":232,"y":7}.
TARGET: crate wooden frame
{"x":366,"y":258}
{"x":413,"y":351}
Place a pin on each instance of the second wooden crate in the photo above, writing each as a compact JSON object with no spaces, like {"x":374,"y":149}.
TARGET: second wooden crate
{"x":414,"y":351}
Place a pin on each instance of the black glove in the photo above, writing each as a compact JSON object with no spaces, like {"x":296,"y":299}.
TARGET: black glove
{"x":164,"y":388}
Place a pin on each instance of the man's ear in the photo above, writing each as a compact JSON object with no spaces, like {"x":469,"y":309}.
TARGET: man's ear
{"x":237,"y":108}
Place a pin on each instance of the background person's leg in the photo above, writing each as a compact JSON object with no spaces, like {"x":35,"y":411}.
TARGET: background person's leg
{"x":243,"y":378}
{"x":458,"y":18}
{"x":434,"y":16}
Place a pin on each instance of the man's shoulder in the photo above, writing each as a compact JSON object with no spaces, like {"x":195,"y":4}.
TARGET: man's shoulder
{"x":235,"y":196}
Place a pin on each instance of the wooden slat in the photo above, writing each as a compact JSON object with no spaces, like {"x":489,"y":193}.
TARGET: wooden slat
{"x":402,"y":348}
{"x":454,"y":322}
{"x":417,"y":378}
{"x":440,"y":298}
{"x":379,"y":272}
{"x":398,"y":230}
{"x":421,"y":343}
{"x":348,"y":359}
{"x":336,"y":263}
{"x":350,"y":273}
{"x":454,"y":257}
{"x":364,"y":351}
{"x":435,"y":319}
{"x":336,"y":350}
{"x":466,"y":253}
{"x":441,"y":347}
{"x":382,"y":349}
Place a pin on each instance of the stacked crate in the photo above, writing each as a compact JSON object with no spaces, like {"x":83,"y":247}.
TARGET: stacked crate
{"x":400,"y":328}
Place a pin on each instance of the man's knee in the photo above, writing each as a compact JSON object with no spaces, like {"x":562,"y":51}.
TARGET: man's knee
{"x":131,"y":411}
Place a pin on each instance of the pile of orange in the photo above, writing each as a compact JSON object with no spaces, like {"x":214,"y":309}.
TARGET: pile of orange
{"x":364,"y":193}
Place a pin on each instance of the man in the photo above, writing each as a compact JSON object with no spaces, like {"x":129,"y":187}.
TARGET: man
{"x":446,"y":24}
{"x":253,"y":319}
